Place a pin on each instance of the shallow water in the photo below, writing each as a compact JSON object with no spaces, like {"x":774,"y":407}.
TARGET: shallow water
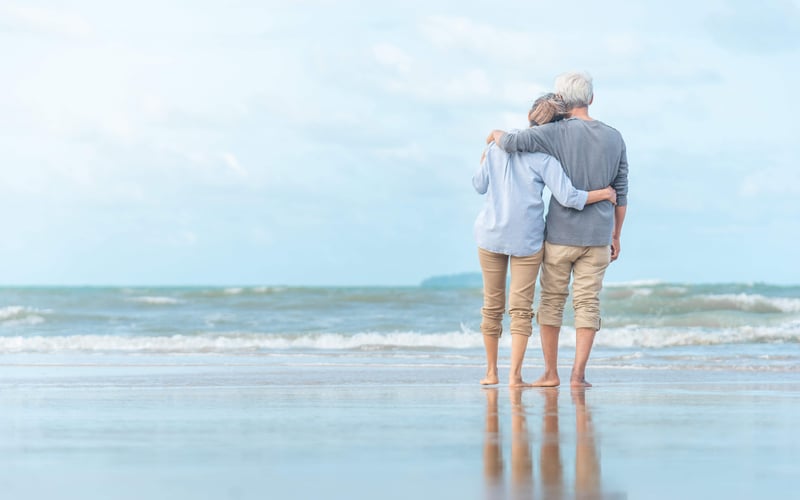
{"x":189,"y":427}
{"x":371,"y":393}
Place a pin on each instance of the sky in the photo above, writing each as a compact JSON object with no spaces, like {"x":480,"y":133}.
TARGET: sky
{"x":333,"y":142}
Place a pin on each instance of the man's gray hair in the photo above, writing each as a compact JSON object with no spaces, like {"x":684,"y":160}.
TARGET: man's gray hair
{"x":575,"y":89}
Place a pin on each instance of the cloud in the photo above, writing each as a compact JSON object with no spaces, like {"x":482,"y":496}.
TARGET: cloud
{"x":90,"y":90}
{"x":624,"y":44}
{"x":472,"y":84}
{"x":392,"y":56}
{"x":771,"y":182}
{"x":757,"y":26}
{"x":452,"y":34}
{"x":45,"y":20}
{"x":514,"y":92}
{"x":466,"y":86}
{"x":230,"y":161}
{"x":183,"y":238}
{"x":283,"y":128}
{"x":413,"y":152}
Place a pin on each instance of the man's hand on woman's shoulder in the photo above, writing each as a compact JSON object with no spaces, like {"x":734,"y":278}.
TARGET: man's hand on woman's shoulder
{"x":494,"y":136}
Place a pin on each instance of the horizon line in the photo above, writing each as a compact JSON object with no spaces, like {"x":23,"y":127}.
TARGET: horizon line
{"x":632,"y":283}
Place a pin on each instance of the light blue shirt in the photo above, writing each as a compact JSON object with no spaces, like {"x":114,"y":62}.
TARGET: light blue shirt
{"x":512,"y":219}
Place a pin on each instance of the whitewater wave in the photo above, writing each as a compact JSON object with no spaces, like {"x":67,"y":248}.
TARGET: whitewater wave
{"x":156,"y":300}
{"x":751,"y":303}
{"x":636,"y":336}
{"x":230,"y":343}
{"x":269,"y":289}
{"x":633,"y":283}
{"x":678,"y":304}
{"x":240,"y":290}
{"x":21,"y":315}
{"x":627,"y":337}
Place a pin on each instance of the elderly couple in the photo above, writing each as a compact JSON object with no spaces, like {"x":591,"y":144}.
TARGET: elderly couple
{"x":583,"y":163}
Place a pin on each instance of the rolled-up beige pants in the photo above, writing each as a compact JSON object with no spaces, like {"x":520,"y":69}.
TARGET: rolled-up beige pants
{"x":520,"y":301}
{"x":587,"y":265}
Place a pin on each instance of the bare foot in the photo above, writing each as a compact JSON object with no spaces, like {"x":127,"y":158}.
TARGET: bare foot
{"x":490,"y":378}
{"x":547,"y":380}
{"x":518,"y":382}
{"x":579,"y":382}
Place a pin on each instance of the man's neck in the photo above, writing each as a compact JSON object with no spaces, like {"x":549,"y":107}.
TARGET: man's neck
{"x":581,"y":113}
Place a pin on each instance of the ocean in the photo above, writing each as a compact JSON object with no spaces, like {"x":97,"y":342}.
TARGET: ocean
{"x":307,"y":393}
{"x":646,"y":325}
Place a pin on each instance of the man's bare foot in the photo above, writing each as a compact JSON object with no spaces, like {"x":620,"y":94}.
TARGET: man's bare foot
{"x":490,"y":378}
{"x":547,"y":380}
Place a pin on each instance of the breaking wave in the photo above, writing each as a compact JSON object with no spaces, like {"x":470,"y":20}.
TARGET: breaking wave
{"x":156,"y":300}
{"x":257,"y":342}
{"x":20,"y":315}
{"x":750,"y":303}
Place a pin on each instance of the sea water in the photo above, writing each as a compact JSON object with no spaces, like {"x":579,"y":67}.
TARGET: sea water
{"x":645,"y":325}
{"x":281,"y":392}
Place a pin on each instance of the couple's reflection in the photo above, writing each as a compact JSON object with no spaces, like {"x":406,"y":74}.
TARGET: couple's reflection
{"x":551,"y":481}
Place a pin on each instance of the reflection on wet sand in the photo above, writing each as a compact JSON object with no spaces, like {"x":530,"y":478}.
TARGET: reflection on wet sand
{"x":521,"y":461}
{"x":552,"y":483}
{"x":492,"y":453}
{"x":550,"y":454}
{"x":587,"y":460}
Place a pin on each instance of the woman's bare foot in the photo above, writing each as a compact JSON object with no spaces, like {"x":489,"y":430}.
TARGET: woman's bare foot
{"x":490,"y":378}
{"x":579,"y":382}
{"x":547,"y":380}
{"x":518,"y":382}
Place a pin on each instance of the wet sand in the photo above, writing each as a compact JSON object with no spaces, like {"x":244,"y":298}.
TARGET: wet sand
{"x":226,"y":427}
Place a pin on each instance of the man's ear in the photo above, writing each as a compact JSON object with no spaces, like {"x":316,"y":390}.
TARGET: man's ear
{"x":591,"y":100}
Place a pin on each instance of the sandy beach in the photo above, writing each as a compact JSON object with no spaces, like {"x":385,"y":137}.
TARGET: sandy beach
{"x":92,"y":426}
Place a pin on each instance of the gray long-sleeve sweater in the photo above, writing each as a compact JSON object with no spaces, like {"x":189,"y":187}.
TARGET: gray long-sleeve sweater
{"x":593,"y":155}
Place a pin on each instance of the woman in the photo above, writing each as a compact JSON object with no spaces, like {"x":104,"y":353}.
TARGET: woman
{"x":510,"y":228}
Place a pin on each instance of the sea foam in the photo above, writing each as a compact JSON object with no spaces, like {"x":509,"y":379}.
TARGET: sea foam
{"x":751,"y":302}
{"x":21,"y":315}
{"x":632,"y":336}
{"x":156,"y":300}
{"x":229,"y":343}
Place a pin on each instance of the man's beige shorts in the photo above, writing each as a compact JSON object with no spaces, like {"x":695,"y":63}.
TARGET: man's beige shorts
{"x":587,"y":266}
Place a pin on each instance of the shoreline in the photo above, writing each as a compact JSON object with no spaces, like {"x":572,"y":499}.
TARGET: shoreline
{"x":218,"y":430}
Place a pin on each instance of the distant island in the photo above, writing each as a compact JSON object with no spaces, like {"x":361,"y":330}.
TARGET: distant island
{"x":461,"y":280}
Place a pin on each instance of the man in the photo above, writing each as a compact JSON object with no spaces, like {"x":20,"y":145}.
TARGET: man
{"x":579,"y":244}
